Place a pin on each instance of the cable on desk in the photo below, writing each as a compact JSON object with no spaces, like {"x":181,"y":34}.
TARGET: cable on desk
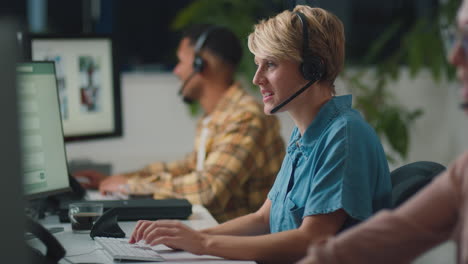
{"x":69,"y":261}
{"x":80,"y":254}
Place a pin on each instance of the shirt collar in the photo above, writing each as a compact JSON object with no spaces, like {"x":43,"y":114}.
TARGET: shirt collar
{"x":232,"y":95}
{"x":328,"y":112}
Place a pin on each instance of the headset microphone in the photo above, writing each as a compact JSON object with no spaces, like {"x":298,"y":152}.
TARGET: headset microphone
{"x":181,"y":90}
{"x":198,"y":62}
{"x":285,"y":102}
{"x":186,"y":99}
{"x":311,"y":68}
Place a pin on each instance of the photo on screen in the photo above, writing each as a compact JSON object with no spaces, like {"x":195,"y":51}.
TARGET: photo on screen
{"x":90,"y":87}
{"x":88,"y":83}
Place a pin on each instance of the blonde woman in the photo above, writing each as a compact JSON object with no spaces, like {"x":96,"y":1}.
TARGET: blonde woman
{"x":335,"y":172}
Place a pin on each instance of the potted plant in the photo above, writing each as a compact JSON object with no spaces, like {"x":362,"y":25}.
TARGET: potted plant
{"x":421,"y":47}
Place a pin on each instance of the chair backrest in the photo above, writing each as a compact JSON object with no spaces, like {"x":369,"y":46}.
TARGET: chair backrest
{"x":410,"y":178}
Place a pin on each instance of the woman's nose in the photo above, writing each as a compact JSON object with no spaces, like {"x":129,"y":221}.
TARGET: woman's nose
{"x":258,"y":78}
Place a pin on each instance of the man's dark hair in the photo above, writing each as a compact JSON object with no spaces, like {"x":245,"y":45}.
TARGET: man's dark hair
{"x":221,"y":41}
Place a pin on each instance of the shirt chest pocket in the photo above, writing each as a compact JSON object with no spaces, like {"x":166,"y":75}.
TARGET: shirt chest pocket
{"x":295,"y":211}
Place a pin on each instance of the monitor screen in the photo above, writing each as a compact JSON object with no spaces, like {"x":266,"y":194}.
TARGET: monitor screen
{"x":89,"y":87}
{"x":44,"y":159}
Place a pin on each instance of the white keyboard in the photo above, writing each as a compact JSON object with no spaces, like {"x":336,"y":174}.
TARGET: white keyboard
{"x":121,"y":250}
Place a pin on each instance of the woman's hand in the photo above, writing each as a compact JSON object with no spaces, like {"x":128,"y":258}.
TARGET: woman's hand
{"x":173,"y":234}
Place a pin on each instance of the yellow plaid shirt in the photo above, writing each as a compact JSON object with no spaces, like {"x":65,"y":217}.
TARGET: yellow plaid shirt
{"x":244,"y":152}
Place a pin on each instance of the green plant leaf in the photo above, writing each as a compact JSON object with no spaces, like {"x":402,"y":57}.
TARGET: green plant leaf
{"x":413,"y":115}
{"x":377,"y":46}
{"x":396,"y":131}
{"x":189,"y":14}
{"x":415,"y":53}
{"x":194,"y":109}
{"x":421,"y":47}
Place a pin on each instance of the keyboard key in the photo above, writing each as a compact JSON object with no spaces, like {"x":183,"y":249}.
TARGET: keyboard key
{"x":121,"y":250}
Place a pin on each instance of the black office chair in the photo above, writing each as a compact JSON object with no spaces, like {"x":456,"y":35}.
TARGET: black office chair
{"x":410,"y":178}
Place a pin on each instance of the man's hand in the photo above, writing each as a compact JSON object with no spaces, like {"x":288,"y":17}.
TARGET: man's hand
{"x":113,"y":184}
{"x":89,"y":179}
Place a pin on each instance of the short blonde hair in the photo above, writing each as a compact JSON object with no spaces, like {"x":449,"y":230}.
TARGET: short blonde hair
{"x":281,"y":37}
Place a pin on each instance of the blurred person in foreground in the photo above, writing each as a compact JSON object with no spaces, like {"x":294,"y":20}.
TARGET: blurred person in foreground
{"x":435,"y":214}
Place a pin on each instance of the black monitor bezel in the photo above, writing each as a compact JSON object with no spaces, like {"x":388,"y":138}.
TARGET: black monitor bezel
{"x":117,"y":111}
{"x":46,"y":194}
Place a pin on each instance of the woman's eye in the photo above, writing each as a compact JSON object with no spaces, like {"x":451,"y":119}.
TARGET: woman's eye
{"x":270,"y":64}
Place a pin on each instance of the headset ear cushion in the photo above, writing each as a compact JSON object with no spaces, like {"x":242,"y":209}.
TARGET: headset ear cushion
{"x":198,"y":64}
{"x":312,"y":68}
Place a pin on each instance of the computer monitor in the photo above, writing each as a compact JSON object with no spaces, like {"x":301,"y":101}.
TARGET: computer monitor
{"x":88,"y":81}
{"x":44,"y":160}
{"x":11,"y":198}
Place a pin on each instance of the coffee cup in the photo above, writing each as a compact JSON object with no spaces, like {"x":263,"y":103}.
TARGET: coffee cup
{"x":84,"y":215}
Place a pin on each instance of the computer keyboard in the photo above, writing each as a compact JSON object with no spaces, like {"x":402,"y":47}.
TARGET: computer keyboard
{"x":121,"y":250}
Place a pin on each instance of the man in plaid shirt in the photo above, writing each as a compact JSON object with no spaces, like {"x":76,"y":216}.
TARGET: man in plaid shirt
{"x":238,"y":149}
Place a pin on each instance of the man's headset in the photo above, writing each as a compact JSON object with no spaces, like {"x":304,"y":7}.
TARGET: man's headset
{"x":311,"y":68}
{"x":198,"y":61}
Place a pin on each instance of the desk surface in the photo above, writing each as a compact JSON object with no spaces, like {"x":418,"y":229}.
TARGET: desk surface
{"x":81,"y":248}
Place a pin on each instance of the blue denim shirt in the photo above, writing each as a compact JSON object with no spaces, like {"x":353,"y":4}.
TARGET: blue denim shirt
{"x":338,"y":163}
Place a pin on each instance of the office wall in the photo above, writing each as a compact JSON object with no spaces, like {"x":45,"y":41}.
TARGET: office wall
{"x":157,"y":126}
{"x":440,"y":133}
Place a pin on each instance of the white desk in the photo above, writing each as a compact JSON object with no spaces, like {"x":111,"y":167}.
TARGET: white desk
{"x":82,"y":243}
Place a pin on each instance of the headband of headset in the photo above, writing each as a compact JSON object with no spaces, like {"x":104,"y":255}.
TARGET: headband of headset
{"x":312,"y":67}
{"x":198,"y":62}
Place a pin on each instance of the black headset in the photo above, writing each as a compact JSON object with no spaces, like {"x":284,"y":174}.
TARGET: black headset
{"x":312,"y":67}
{"x":198,"y":62}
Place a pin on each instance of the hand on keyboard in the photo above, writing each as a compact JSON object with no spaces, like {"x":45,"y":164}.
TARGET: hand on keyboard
{"x":173,"y":234}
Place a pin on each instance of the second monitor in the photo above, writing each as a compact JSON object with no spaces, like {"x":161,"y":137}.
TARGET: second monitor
{"x":88,"y":82}
{"x":44,"y":159}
